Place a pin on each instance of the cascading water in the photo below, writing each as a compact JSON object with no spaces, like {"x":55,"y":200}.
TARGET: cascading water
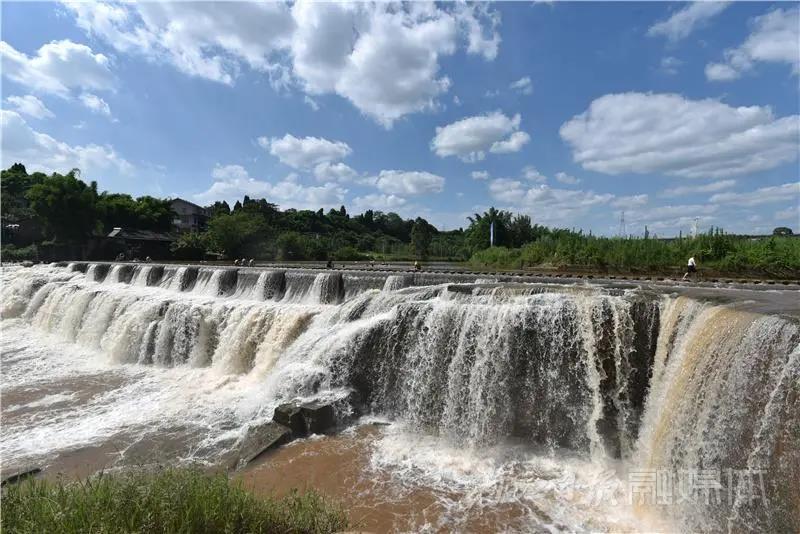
{"x":611,"y":377}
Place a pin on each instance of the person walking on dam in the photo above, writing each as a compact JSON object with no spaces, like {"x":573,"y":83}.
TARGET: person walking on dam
{"x":691,"y":268}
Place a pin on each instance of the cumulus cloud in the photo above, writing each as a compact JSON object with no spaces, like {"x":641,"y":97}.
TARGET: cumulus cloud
{"x":523,"y":85}
{"x":765,"y":195}
{"x":408,"y":182}
{"x":40,"y":151}
{"x":379,"y":202}
{"x":384,"y":58}
{"x":304,"y":152}
{"x":95,"y":104}
{"x":530,"y":173}
{"x":686,"y":20}
{"x":334,"y":172}
{"x":29,"y":105}
{"x":205,"y":39}
{"x":546,"y":204}
{"x":469,"y":139}
{"x":711,"y":187}
{"x":232,"y":182}
{"x":57,"y":68}
{"x":479,"y":175}
{"x":670,"y":134}
{"x":774,"y":39}
{"x":567,"y":179}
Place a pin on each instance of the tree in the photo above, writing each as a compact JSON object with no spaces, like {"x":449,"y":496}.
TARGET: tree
{"x":421,"y":236}
{"x":782,"y":230}
{"x":15,"y":182}
{"x":189,"y":246}
{"x":230,"y":234}
{"x":291,"y":246}
{"x":479,"y":228}
{"x":66,"y":206}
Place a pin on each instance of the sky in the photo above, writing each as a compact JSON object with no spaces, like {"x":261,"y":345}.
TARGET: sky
{"x":670,"y":115}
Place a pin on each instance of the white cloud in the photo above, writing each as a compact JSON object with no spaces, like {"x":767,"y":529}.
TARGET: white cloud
{"x":334,"y":172}
{"x":479,"y":175}
{"x":311,"y":103}
{"x":480,"y":25}
{"x":514,"y":143}
{"x":546,"y":204}
{"x":686,"y":20}
{"x":205,"y":39}
{"x":304,"y":152}
{"x":384,"y":58}
{"x":712,"y":187}
{"x":630,"y":201}
{"x":670,"y":65}
{"x":31,"y":106}
{"x":775,"y":39}
{"x":667,"y":133}
{"x":95,"y":104}
{"x":379,"y":202}
{"x":720,"y":72}
{"x":530,"y":173}
{"x":789,"y":214}
{"x":232,"y":182}
{"x":670,"y":218}
{"x":408,"y":182}
{"x":39,"y":151}
{"x":523,"y":85}
{"x":764,"y":195}
{"x":470,"y":138}
{"x":57,"y":67}
{"x":565,"y":178}
{"x":456,"y":100}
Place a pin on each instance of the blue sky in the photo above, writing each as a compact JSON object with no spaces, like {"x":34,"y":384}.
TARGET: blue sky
{"x":569,"y":112}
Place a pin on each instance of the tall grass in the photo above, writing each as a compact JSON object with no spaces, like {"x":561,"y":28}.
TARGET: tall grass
{"x":776,"y":256}
{"x":167,"y":501}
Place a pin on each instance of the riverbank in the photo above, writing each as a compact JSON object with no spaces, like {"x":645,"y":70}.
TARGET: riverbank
{"x":165,"y":500}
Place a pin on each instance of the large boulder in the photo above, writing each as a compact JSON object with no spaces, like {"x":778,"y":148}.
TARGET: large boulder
{"x":259,"y":439}
{"x":307,"y":418}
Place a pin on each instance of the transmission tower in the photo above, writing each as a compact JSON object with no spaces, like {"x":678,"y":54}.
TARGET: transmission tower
{"x":622,"y":230}
{"x":694,"y":227}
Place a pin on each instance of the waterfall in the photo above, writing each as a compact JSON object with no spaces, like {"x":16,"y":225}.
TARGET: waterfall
{"x":660,"y":382}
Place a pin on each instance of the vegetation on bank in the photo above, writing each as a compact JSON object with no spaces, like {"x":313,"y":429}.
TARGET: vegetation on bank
{"x":776,"y":256}
{"x":170,"y":500}
{"x":65,"y":209}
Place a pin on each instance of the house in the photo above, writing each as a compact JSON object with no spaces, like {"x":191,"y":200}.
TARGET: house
{"x":189,"y":217}
{"x":134,"y":243}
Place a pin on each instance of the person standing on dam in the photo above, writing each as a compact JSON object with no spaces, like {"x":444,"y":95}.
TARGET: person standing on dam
{"x":691,"y":268}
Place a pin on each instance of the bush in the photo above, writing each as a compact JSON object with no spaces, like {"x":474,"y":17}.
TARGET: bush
{"x":348,"y":254}
{"x":170,"y":500}
{"x":12,"y":253}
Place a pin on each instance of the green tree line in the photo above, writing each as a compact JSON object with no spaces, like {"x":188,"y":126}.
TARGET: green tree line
{"x":68,"y":209}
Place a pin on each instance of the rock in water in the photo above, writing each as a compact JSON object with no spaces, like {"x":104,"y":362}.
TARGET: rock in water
{"x":17,"y":475}
{"x":319,"y":417}
{"x":305,"y":419}
{"x":261,"y":438}
{"x":289,"y":415}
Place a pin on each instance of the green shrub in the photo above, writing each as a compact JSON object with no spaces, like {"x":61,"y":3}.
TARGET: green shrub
{"x":348,"y":254}
{"x":12,"y":253}
{"x":166,"y":501}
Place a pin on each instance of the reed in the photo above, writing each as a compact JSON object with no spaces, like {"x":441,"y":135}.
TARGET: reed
{"x":171,"y":500}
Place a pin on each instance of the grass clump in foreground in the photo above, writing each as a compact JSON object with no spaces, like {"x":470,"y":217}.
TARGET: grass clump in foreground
{"x":170,"y":500}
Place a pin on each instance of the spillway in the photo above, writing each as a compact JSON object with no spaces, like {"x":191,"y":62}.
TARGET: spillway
{"x":651,"y":382}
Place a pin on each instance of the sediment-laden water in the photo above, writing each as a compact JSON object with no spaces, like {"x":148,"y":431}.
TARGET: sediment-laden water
{"x":521,"y":407}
